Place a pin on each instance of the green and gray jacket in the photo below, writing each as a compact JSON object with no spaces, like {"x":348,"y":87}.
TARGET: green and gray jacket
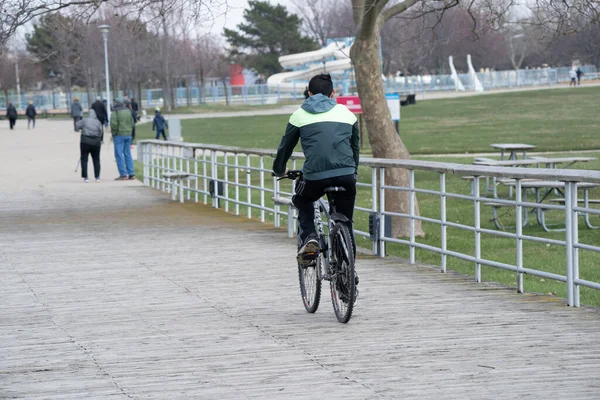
{"x":121,"y":121}
{"x":328,"y":133}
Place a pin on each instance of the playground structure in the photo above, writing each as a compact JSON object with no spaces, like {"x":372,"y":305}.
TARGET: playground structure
{"x":333,"y":59}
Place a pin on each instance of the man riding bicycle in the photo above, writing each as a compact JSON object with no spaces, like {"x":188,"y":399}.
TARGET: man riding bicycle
{"x":328,"y":134}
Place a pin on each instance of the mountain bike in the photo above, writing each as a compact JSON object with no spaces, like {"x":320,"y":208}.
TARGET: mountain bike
{"x":335,"y":260}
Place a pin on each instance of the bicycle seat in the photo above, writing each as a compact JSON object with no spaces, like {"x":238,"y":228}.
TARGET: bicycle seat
{"x":333,"y":189}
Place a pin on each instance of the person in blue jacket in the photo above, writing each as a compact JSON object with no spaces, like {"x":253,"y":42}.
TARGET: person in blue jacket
{"x":159,"y":124}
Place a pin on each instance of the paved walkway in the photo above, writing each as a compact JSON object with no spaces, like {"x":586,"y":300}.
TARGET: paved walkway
{"x":110,"y":290}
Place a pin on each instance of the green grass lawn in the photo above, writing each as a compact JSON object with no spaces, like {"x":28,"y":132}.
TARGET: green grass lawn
{"x":515,"y":124}
{"x":553,"y":120}
{"x":209,"y":108}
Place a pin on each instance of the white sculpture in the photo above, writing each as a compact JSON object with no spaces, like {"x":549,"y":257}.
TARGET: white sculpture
{"x":457,"y":83}
{"x":474,"y":78}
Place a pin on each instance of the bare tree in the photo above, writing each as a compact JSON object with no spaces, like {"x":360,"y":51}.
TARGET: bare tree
{"x":325,"y":19}
{"x":16,"y":13}
{"x":207,"y":58}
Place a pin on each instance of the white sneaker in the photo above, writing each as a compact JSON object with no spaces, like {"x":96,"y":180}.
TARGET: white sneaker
{"x":86,"y":180}
{"x":97,"y":179}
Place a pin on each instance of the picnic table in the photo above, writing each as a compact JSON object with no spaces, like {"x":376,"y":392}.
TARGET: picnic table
{"x":542,"y":190}
{"x":548,"y":162}
{"x":513,"y":148}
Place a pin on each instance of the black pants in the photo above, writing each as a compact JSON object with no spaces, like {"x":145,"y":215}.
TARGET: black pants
{"x":307,"y":192}
{"x":75,"y":119}
{"x":12,"y":122}
{"x":86,"y":150}
{"x":159,"y":132}
{"x":30,"y":120}
{"x":133,"y":133}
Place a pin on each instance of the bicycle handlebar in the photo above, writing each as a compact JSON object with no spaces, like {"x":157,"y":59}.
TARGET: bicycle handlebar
{"x":292,"y":174}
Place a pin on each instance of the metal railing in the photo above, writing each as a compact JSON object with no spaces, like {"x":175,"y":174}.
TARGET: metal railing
{"x":235,"y":179}
{"x":265,"y":94}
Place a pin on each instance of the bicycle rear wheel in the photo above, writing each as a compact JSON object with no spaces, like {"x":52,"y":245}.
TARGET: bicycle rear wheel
{"x":342,"y":284}
{"x":310,"y":284}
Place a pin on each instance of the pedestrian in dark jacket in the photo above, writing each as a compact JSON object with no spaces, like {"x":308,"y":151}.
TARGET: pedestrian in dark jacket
{"x":31,"y":113}
{"x":159,"y":123}
{"x":129,"y":105}
{"x":76,"y":112}
{"x":328,"y":133}
{"x":134,"y":106}
{"x":579,"y":73}
{"x":100,"y":110}
{"x":11,"y":114}
{"x":91,"y":143}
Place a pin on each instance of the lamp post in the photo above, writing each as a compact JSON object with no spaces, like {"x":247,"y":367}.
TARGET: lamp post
{"x":105,"y":29}
{"x":52,"y":75}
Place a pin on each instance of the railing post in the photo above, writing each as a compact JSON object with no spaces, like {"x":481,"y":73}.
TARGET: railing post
{"x":477,"y":208}
{"x":144,"y":149}
{"x":237,"y":184}
{"x":226,"y":179}
{"x":575,"y":235}
{"x":381,"y":212}
{"x":519,"y":234}
{"x":161,"y":169}
{"x":196,"y":175}
{"x":276,"y":214}
{"x":187,"y":167}
{"x":569,"y":241}
{"x":262,"y":189}
{"x":214,"y":175}
{"x":248,"y":184}
{"x":205,"y":176}
{"x":376,"y":241}
{"x":443,"y":226}
{"x":411,"y":205}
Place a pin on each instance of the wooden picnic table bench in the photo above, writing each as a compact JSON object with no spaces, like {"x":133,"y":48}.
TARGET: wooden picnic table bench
{"x":542,"y":191}
{"x":175,"y":179}
{"x":513,"y":148}
{"x":550,"y":162}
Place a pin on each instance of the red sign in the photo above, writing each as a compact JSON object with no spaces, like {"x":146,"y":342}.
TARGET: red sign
{"x":352,"y":102}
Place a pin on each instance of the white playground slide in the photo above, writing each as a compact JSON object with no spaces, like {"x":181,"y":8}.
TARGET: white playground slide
{"x":337,"y":50}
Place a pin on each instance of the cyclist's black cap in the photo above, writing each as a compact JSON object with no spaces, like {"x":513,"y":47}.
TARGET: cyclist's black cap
{"x":321,"y":84}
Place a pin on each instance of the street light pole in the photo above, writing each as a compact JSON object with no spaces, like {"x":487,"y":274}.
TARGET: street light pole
{"x":105,"y":29}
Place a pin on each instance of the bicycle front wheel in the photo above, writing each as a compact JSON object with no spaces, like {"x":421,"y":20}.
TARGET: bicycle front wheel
{"x":342,"y":284}
{"x":310,"y":284}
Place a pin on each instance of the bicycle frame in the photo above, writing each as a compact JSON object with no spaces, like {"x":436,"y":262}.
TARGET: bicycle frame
{"x":325,"y":240}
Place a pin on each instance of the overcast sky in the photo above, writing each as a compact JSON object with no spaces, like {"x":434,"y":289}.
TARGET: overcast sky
{"x":235,"y":14}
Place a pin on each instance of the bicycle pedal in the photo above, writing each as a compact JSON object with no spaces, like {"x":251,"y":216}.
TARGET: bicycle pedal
{"x":308,"y":258}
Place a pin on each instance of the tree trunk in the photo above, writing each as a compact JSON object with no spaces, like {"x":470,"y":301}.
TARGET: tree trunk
{"x":89,"y":87}
{"x":167,"y":92}
{"x":226,"y":92}
{"x":139,"y":94}
{"x":385,"y":142}
{"x":69,"y":97}
{"x":201,"y":87}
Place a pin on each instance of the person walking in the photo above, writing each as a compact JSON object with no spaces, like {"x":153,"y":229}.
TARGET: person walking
{"x":92,"y":135}
{"x":31,"y":113}
{"x":76,"y":112}
{"x":128,"y":105}
{"x":100,"y":108}
{"x":159,"y":123}
{"x":579,"y":73}
{"x":11,"y":114}
{"x":134,"y":106}
{"x":121,"y":125}
{"x":573,"y":76}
